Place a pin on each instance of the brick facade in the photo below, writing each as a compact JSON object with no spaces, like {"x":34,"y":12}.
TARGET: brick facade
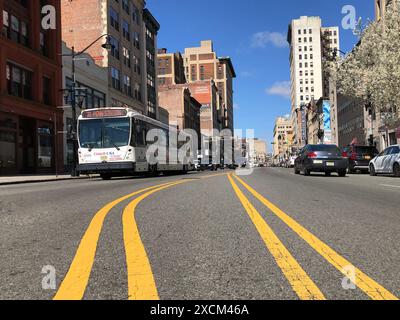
{"x":30,"y":80}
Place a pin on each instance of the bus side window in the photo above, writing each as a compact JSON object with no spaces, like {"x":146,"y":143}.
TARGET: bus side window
{"x":140,"y":133}
{"x":133,"y":132}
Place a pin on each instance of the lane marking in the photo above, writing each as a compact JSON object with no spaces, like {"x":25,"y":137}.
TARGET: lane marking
{"x":75,"y":281}
{"x":389,"y":185}
{"x":74,"y":284}
{"x":373,"y":289}
{"x":141,"y":283}
{"x":301,"y":283}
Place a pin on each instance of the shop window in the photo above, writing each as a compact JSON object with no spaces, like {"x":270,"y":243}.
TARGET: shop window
{"x":45,"y":146}
{"x":8,"y":141}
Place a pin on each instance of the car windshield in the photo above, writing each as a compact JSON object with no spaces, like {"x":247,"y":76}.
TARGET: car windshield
{"x":104,"y":133}
{"x":325,"y":148}
{"x":366,"y":150}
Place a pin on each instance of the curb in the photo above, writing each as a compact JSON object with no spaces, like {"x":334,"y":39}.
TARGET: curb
{"x":41,"y":180}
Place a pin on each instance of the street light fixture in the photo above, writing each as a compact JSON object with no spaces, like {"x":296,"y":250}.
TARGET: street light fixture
{"x":108,"y":46}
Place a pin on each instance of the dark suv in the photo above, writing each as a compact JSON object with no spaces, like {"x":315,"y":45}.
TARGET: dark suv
{"x":359,"y":157}
{"x":321,"y":158}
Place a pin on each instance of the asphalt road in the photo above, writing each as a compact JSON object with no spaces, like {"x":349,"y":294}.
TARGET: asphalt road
{"x":274,"y":236}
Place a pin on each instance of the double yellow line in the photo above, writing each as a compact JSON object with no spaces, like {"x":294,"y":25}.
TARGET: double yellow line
{"x":141,"y":284}
{"x":296,"y":276}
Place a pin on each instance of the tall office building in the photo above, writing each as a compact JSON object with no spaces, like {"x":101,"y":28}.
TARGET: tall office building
{"x":309,"y":46}
{"x":131,"y":61}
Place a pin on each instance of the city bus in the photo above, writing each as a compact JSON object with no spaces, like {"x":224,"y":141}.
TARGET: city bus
{"x":113,"y":142}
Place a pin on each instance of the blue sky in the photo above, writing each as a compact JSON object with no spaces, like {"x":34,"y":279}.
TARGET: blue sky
{"x":262,"y":66}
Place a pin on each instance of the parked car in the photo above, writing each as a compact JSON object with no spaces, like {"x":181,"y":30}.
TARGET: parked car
{"x":321,"y":158}
{"x":387,"y":162}
{"x":359,"y":157}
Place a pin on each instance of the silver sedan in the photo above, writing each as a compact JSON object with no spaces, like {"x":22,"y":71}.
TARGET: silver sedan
{"x":387,"y":162}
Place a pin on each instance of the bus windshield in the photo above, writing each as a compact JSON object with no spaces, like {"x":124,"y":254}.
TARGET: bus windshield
{"x":104,"y":133}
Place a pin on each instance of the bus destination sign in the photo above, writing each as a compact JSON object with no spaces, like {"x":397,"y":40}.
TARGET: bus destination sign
{"x":104,"y":113}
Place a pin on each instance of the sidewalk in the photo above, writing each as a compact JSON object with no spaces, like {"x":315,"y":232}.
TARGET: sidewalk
{"x":7,"y":180}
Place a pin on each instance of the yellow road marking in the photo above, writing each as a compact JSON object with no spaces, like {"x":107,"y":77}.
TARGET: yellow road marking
{"x":365,"y":283}
{"x":141,"y":284}
{"x":75,"y":282}
{"x":301,"y":283}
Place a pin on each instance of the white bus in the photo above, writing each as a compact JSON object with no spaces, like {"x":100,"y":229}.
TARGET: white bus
{"x":113,"y":142}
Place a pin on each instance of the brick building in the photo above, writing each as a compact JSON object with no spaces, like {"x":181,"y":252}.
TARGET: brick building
{"x":170,"y":68}
{"x":128,"y":23}
{"x":30,"y":80}
{"x":202,"y":63}
{"x":183,"y":109}
{"x":206,"y":93}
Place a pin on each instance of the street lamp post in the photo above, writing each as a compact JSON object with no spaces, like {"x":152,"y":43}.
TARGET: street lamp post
{"x":72,"y":90}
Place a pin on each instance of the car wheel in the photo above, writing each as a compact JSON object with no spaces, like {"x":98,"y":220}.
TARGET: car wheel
{"x":342,"y":173}
{"x":328,"y":174}
{"x":296,"y":171}
{"x":372,"y":171}
{"x":105,"y":176}
{"x":396,"y":170}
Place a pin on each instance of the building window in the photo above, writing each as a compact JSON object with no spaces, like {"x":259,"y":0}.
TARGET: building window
{"x":136,"y":64}
{"x":114,"y":47}
{"x":116,"y":78}
{"x":150,"y":80}
{"x":125,"y":30}
{"x":15,"y":29}
{"x":45,"y":146}
{"x":19,"y":81}
{"x":43,"y":43}
{"x":114,"y":18}
{"x":46,"y":90}
{"x":126,"y":57}
{"x":136,"y":40}
{"x":135,"y":14}
{"x":127,"y":86}
{"x":138,"y":92}
{"x":6,"y":24}
{"x":125,"y":6}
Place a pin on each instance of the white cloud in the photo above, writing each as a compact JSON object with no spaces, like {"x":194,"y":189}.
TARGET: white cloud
{"x":282,"y":89}
{"x":262,"y":39}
